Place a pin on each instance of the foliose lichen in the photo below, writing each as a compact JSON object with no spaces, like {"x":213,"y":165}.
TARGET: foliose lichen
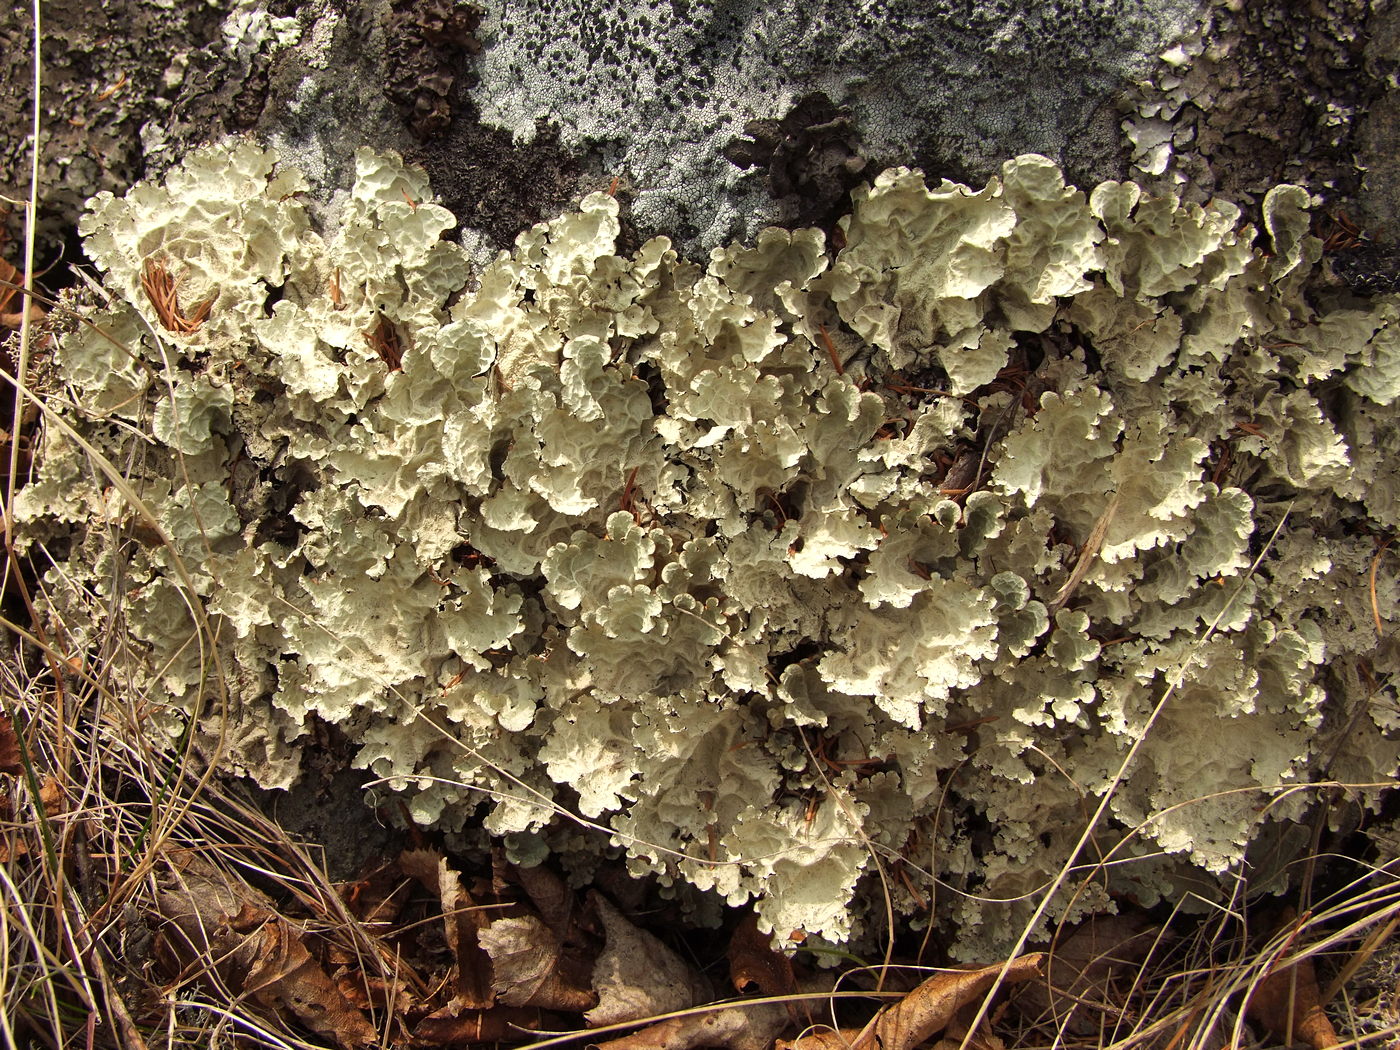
{"x":790,"y":577}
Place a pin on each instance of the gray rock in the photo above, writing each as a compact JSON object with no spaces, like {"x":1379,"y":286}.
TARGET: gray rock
{"x":715,"y":117}
{"x":660,"y":88}
{"x":654,"y":92}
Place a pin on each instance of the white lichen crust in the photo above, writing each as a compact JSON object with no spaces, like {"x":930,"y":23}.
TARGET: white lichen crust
{"x":772,"y":572}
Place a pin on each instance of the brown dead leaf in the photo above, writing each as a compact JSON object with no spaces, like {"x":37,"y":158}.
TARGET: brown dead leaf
{"x":453,"y":1026}
{"x":529,"y":968}
{"x":754,"y":967}
{"x":24,"y":840}
{"x":11,"y":758}
{"x":551,"y":897}
{"x":636,"y":975}
{"x":378,"y":895}
{"x":367,"y":992}
{"x":744,"y":1027}
{"x":956,"y":1037}
{"x":51,"y":797}
{"x":621,"y":887}
{"x":216,"y":923}
{"x":1080,"y":991}
{"x":13,"y":844}
{"x":924,"y":1012}
{"x":14,"y":318}
{"x":423,"y":865}
{"x":1288,"y":1002}
{"x":462,"y":921}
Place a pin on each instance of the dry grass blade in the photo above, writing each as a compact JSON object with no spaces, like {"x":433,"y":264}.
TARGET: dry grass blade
{"x":1373,"y":942}
{"x":161,"y":289}
{"x":1371,"y":586}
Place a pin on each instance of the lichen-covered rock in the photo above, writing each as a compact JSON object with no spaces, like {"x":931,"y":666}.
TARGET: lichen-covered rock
{"x":125,"y":86}
{"x":774,"y":574}
{"x":671,"y":85}
{"x":1254,"y":96}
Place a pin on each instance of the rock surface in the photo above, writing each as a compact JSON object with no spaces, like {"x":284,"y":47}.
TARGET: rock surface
{"x":715,"y":119}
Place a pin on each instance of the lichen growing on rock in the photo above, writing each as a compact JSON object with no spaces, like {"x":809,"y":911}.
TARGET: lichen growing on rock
{"x":773,"y":572}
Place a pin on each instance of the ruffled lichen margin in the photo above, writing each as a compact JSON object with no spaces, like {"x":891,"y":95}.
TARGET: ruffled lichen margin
{"x":807,"y":576}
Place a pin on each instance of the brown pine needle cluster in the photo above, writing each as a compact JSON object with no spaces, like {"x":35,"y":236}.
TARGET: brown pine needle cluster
{"x":162,"y":290}
{"x":384,"y":340}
